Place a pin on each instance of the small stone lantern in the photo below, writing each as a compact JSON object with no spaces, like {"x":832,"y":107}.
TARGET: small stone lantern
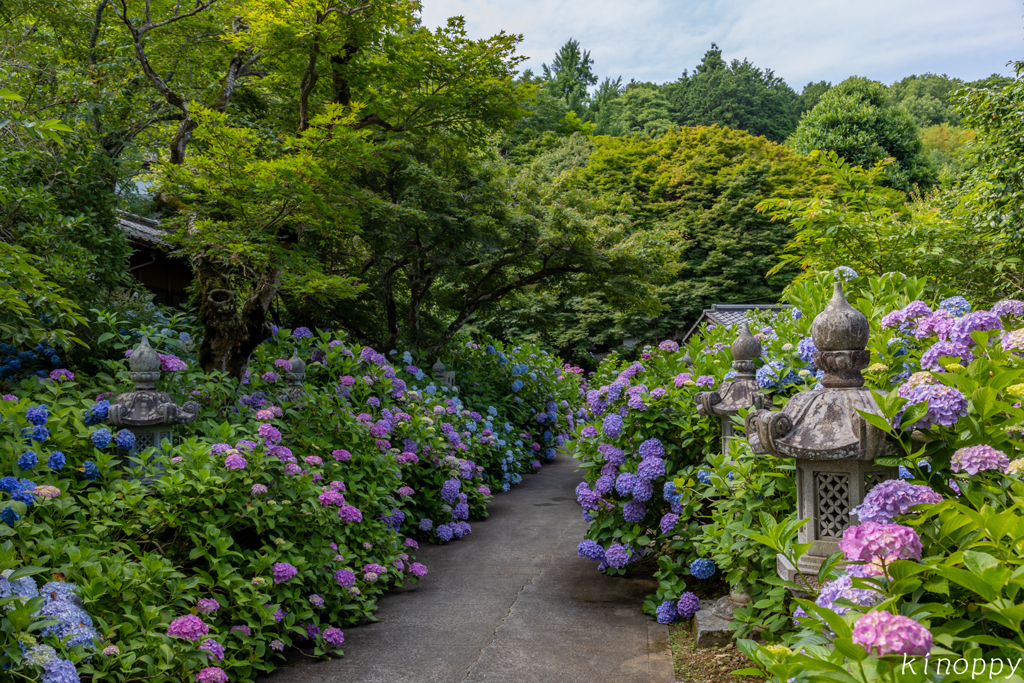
{"x":442,"y":374}
{"x":738,"y":393}
{"x":149,"y":414}
{"x":833,"y":445}
{"x":293,"y":391}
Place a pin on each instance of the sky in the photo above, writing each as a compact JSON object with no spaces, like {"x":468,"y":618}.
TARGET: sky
{"x":805,"y":41}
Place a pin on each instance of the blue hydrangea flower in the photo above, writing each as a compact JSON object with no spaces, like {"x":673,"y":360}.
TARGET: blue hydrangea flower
{"x":426,"y":524}
{"x":444,"y":532}
{"x":702,"y":568}
{"x":667,"y":612}
{"x":38,"y":433}
{"x":845,"y":273}
{"x":956,"y":305}
{"x":8,"y":516}
{"x":38,"y":415}
{"x":670,"y":493}
{"x":90,"y":471}
{"x":27,"y":460}
{"x":101,"y":438}
{"x":9,"y":484}
{"x":704,"y":476}
{"x":56,"y":460}
{"x":517,"y":385}
{"x":124,"y":439}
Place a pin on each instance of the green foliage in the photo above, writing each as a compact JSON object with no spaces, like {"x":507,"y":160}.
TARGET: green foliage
{"x":863,"y":224}
{"x":570,"y":74}
{"x":700,"y":187}
{"x":32,"y":308}
{"x":734,"y":95}
{"x":857,"y":120}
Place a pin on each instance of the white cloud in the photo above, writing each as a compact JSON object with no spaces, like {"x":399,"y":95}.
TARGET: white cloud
{"x":801,"y":41}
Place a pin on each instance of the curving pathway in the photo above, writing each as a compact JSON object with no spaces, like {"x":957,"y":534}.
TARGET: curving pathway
{"x":511,"y":602}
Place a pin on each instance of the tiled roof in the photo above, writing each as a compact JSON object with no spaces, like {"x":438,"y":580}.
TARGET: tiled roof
{"x":729,"y":314}
{"x":139,"y":229}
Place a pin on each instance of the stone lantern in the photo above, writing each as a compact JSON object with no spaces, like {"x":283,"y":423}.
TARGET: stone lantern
{"x":739,"y":393}
{"x":293,"y":391}
{"x":149,"y":414}
{"x":711,"y":625}
{"x":442,"y":374}
{"x":833,"y":445}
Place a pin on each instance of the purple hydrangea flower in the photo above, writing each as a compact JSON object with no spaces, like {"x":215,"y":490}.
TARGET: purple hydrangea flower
{"x":669,"y":346}
{"x":1009,"y":308}
{"x":215,"y":649}
{"x":283,"y":571}
{"x":705,"y":381}
{"x":235,"y":462}
{"x":688,"y":605}
{"x":633,"y":511}
{"x":350,"y":514}
{"x":806,"y":349}
{"x":302,"y":333}
{"x":616,"y":556}
{"x":589,"y":431}
{"x":946,"y":405}
{"x":334,"y":636}
{"x":590,"y":550}
{"x":612,"y":425}
{"x":652,"y":448}
{"x":207,"y":605}
{"x":668,"y":522}
{"x":625,"y":483}
{"x":890,"y":499}
{"x":981,"y":458}
{"x":843,"y":588}
{"x":978,"y":321}
{"x":637,"y":403}
{"x":344,"y":577}
{"x":651,"y":468}
{"x":189,"y":627}
{"x":939,"y":325}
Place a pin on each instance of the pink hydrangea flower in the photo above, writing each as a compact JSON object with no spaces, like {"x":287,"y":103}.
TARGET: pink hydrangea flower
{"x":888,"y":542}
{"x":111,"y":650}
{"x":269,"y":377}
{"x":981,"y":458}
{"x":669,"y":345}
{"x":46,"y":491}
{"x":283,"y":364}
{"x":884,"y":633}
{"x":313,"y":460}
{"x":292,"y":468}
{"x":405,"y":491}
{"x":264,"y":414}
{"x":189,"y":627}
{"x":258,"y":489}
{"x":417,"y":569}
{"x":483,"y":489}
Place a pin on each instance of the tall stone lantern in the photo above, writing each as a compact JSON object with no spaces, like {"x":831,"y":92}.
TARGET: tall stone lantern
{"x":711,"y":625}
{"x":739,"y":393}
{"x":833,"y":445}
{"x":293,"y":391}
{"x":442,"y":374}
{"x":149,"y":414}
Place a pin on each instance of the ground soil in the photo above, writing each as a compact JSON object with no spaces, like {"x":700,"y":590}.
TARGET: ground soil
{"x":705,"y":664}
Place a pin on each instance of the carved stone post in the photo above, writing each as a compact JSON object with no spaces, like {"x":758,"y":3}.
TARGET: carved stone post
{"x":738,"y":393}
{"x":149,"y":414}
{"x":833,"y":445}
{"x":443,"y":375}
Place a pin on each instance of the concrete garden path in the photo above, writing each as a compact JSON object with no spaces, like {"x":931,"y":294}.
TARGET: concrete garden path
{"x":512,"y":602}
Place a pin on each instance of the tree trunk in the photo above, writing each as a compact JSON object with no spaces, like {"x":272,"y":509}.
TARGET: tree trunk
{"x":229,"y":335}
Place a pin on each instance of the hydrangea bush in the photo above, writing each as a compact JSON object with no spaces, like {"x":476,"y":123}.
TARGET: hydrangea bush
{"x":270,"y":522}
